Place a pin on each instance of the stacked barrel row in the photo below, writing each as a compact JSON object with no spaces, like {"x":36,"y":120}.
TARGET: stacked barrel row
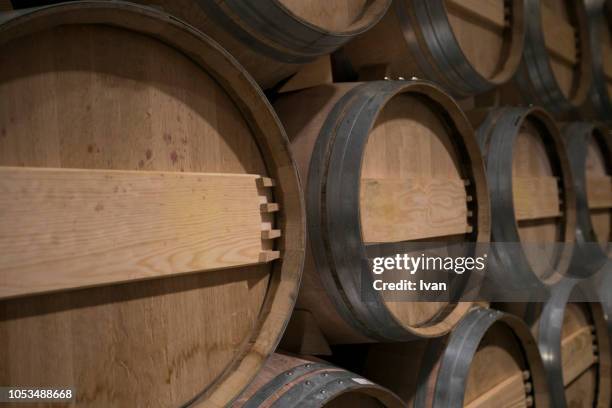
{"x":163,"y":222}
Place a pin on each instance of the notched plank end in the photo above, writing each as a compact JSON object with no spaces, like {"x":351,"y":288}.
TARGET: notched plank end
{"x":270,"y":234}
{"x":269,"y":207}
{"x":268,"y":256}
{"x":264,"y":182}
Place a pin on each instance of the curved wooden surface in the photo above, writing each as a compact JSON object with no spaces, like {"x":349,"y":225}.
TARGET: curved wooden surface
{"x":482,"y":37}
{"x":409,"y":153}
{"x":109,"y":87}
{"x":320,"y":384}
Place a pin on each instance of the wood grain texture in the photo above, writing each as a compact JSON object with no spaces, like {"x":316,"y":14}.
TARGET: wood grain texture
{"x":577,"y":354}
{"x":496,"y":371}
{"x":535,"y":197}
{"x":580,"y":375}
{"x":68,"y":228}
{"x":99,"y":85}
{"x":318,"y":72}
{"x":598,"y":168}
{"x":559,"y":35}
{"x":509,"y":393}
{"x":335,"y":16}
{"x":599,"y":192}
{"x":413,"y":208}
{"x":489,"y":11}
{"x":532,"y":159}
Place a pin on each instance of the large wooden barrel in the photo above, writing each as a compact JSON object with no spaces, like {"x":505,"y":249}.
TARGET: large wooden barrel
{"x":574,"y":339}
{"x":589,"y":148}
{"x":556,"y":68}
{"x":272,"y":39}
{"x":468,"y":47}
{"x":386,"y":164}
{"x":599,"y":103}
{"x":292,"y":382}
{"x":533,"y":202}
{"x":131,"y":148}
{"x":489,"y":359}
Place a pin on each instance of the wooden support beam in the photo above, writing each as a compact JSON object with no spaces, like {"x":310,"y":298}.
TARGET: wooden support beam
{"x":71,"y":228}
{"x":488,"y":11}
{"x":599,"y":192}
{"x":535,"y":197}
{"x":577,"y":354}
{"x":508,"y":393}
{"x":412,"y":208}
{"x":318,"y":72}
{"x":303,"y":336}
{"x":559,"y":36}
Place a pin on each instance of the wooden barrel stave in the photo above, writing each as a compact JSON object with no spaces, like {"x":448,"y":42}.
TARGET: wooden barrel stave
{"x":467,"y":47}
{"x":289,"y":381}
{"x":589,"y":150}
{"x":526,"y":158}
{"x":337,"y":104}
{"x":489,"y":358}
{"x":575,"y":337}
{"x":153,"y":112}
{"x":273,"y":38}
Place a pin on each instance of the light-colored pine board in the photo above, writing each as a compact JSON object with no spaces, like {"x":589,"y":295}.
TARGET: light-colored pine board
{"x":318,"y":72}
{"x":599,"y":192}
{"x":535,"y":197}
{"x":577,"y":354}
{"x":412,"y":208}
{"x":510,"y":393}
{"x":489,"y":11}
{"x":71,"y":228}
{"x":559,"y":36}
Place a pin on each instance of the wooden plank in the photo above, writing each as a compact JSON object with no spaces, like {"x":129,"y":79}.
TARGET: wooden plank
{"x":412,"y":208}
{"x":577,"y":354}
{"x":487,"y":11}
{"x":510,"y":393}
{"x":559,"y":36}
{"x":535,"y":197}
{"x":599,"y":192}
{"x":318,"y":72}
{"x":70,"y":228}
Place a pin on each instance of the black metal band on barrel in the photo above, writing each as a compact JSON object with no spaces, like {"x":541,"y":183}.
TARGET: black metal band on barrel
{"x":599,"y":96}
{"x":281,"y":381}
{"x":535,"y":76}
{"x":440,"y":54}
{"x":589,"y":257}
{"x":461,"y":347}
{"x":319,"y":383}
{"x":497,"y":135}
{"x":285,"y":38}
{"x":332,"y":201}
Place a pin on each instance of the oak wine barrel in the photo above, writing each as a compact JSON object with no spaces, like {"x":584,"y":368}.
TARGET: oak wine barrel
{"x":468,"y":47}
{"x":272,"y":39}
{"x":574,"y":338}
{"x":489,"y":359}
{"x":151,"y":222}
{"x":556,"y":69}
{"x":598,"y":105}
{"x":589,"y":148}
{"x":288,"y":382}
{"x":386,"y":164}
{"x":533,"y":208}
